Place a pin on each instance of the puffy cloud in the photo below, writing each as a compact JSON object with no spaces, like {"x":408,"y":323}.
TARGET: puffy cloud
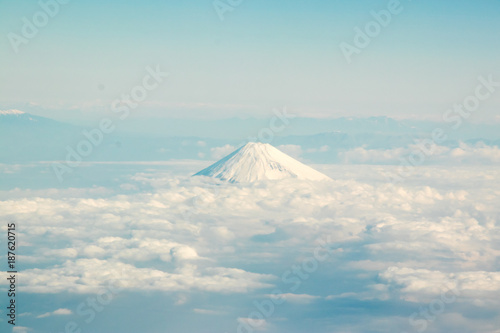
{"x":296,"y":298}
{"x":322,"y":149}
{"x":420,"y":285}
{"x":392,"y":243}
{"x":58,"y":312}
{"x":374,"y":292}
{"x":363,"y":155}
{"x":294,"y":151}
{"x":480,"y":153}
{"x":253,"y":324}
{"x":219,"y":152}
{"x":93,"y":275}
{"x":62,"y":312}
{"x":208,"y":312}
{"x":183,"y":253}
{"x":64,"y":253}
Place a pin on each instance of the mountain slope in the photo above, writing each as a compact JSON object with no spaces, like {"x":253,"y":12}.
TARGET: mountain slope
{"x":25,"y":137}
{"x":259,"y":161}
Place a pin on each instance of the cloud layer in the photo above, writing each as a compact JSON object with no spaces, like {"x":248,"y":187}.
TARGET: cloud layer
{"x":392,"y":243}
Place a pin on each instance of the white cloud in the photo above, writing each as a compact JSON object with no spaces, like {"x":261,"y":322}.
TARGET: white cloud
{"x":296,"y":298}
{"x":92,"y":275}
{"x":420,"y":285}
{"x":58,"y":312}
{"x":46,"y":314}
{"x":219,"y":152}
{"x":62,"y":311}
{"x":64,"y":253}
{"x":363,"y":155}
{"x":294,"y":151}
{"x":253,"y":324}
{"x":322,"y":149}
{"x":186,"y":236}
{"x":480,"y":153}
{"x":375,"y":292}
{"x":208,"y":312}
{"x":183,"y":253}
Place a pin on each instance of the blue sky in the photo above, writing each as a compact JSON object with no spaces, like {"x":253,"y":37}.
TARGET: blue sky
{"x":263,"y":55}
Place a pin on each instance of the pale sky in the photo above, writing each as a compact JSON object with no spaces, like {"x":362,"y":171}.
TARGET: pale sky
{"x":264,"y":54}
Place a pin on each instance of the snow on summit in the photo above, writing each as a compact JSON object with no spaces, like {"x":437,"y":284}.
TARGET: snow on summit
{"x":259,"y":161}
{"x":11,"y":112}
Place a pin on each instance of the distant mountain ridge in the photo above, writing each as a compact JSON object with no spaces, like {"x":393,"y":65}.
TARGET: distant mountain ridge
{"x":25,"y":137}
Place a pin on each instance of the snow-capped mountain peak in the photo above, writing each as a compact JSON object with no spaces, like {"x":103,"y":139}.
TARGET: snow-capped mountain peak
{"x":259,"y":161}
{"x":11,"y":112}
